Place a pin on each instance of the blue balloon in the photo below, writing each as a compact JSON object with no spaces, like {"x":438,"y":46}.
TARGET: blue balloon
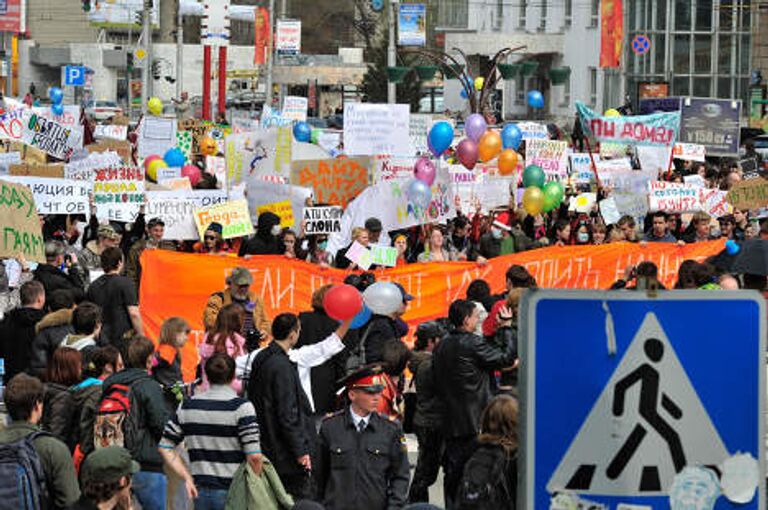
{"x":362,"y":318}
{"x":535,"y":99}
{"x":463,"y":94}
{"x":732,"y":247}
{"x":57,"y":109}
{"x":174,"y":158}
{"x":440,"y":137}
{"x":419,"y":193}
{"x":56,"y":95}
{"x":302,"y":132}
{"x":511,"y":137}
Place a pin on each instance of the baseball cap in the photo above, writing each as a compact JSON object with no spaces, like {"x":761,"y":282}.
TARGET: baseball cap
{"x":108,"y":465}
{"x":155,"y":222}
{"x":406,"y":296}
{"x":240,"y":276}
{"x":373,"y":225}
{"x":107,"y":232}
{"x":369,"y":378}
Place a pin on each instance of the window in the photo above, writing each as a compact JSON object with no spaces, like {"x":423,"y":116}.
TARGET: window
{"x":593,"y":86}
{"x":568,"y":13}
{"x":519,"y":88}
{"x":682,"y":14}
{"x":594,"y":9}
{"x":566,"y":93}
{"x":543,"y":17}
{"x":499,"y":15}
{"x":521,"y":21}
{"x":453,"y":13}
{"x":702,"y":57}
{"x":704,"y":15}
{"x":682,"y":54}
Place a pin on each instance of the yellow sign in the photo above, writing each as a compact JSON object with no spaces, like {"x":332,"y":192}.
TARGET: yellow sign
{"x":282,"y":209}
{"x":139,"y":54}
{"x":233,"y":216}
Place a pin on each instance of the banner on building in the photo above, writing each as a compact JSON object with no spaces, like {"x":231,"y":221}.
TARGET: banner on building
{"x":611,"y":32}
{"x":12,"y":18}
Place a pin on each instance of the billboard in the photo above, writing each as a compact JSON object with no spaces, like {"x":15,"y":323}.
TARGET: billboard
{"x":12,"y":18}
{"x":121,"y":13}
{"x":288,"y":38}
{"x":412,"y":25}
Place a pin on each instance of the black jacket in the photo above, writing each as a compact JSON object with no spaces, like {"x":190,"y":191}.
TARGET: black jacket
{"x":361,"y":470}
{"x":430,"y":409}
{"x":59,"y":414}
{"x":381,"y":330}
{"x":316,"y":326}
{"x":283,"y":410}
{"x":263,"y":243}
{"x":152,"y":415}
{"x":461,"y":363}
{"x":17,"y":332}
{"x":51,"y":331}
{"x":54,"y":279}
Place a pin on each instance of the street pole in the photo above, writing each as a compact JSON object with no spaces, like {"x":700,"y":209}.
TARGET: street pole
{"x":272,"y":51}
{"x":283,"y":15}
{"x":391,"y":52}
{"x":146,"y":35}
{"x":179,"y":53}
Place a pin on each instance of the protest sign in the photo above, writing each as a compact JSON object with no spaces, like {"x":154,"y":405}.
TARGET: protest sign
{"x":360,"y":255}
{"x":85,"y":169}
{"x":533,"y":131}
{"x":295,"y":108}
{"x":418,"y":130}
{"x":322,"y":220}
{"x":581,"y":168}
{"x":749,"y":194}
{"x":384,"y":256}
{"x":176,"y":183}
{"x":618,"y":174}
{"x":7,"y":159}
{"x":232,"y":215}
{"x":550,"y":155}
{"x":22,"y":235}
{"x":283,"y":209}
{"x":689,"y":151}
{"x":672,"y":197}
{"x":584,"y":202}
{"x":156,"y":136}
{"x":176,"y":211}
{"x":386,"y":167}
{"x":264,"y":192}
{"x":329,"y":141}
{"x":660,"y":129}
{"x":54,"y":170}
{"x":50,"y":137}
{"x":334,"y":181}
{"x":631,"y":204}
{"x":70,"y":118}
{"x":118,"y":192}
{"x":272,"y":119}
{"x":613,"y":150}
{"x":371,"y":129}
{"x":265,"y":152}
{"x":111,"y":131}
{"x":714,"y":202}
{"x":695,"y":180}
{"x":168,"y":173}
{"x":57,"y":196}
{"x":610,"y":211}
{"x":122,"y":148}
{"x":12,"y":125}
{"x":200,"y":197}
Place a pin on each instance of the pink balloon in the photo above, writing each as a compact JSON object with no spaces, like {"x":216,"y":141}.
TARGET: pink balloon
{"x":424,"y":170}
{"x":466,"y":151}
{"x":192,"y":172}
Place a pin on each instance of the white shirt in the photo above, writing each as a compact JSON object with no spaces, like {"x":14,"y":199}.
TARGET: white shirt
{"x":357,"y":419}
{"x":305,"y":357}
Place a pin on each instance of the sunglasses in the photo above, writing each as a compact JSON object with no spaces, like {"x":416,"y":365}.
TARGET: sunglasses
{"x":210,"y":238}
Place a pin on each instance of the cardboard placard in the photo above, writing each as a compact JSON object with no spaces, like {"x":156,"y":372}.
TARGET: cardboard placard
{"x":118,"y":193}
{"x":334,"y":181}
{"x":54,"y":170}
{"x":322,"y":220}
{"x":749,"y":194}
{"x":50,"y":136}
{"x":122,"y":148}
{"x":22,"y":235}
{"x":232,"y":215}
{"x":111,"y":131}
{"x":283,"y":209}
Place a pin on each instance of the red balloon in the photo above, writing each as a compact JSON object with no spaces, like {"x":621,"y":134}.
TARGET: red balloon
{"x":150,"y":159}
{"x":193,"y":172}
{"x":342,"y":302}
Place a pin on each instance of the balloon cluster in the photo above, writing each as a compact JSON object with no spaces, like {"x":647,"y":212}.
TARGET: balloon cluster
{"x":173,"y":158}
{"x":419,"y":190}
{"x":483,"y":144}
{"x":344,"y":302}
{"x":155,"y":106}
{"x":539,"y":197}
{"x":56,"y":95}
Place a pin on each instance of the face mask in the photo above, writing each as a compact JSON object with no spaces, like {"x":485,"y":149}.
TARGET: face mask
{"x":583,"y":237}
{"x":496,"y":233}
{"x":275,"y":230}
{"x":322,"y":245}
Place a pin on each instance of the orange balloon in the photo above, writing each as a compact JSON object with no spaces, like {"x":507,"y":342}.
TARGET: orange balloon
{"x":507,"y":161}
{"x":208,"y":146}
{"x":489,"y":145}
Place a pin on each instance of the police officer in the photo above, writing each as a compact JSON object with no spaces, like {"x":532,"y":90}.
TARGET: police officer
{"x":362,"y":457}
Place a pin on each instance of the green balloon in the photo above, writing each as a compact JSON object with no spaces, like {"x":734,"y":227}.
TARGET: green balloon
{"x":533,"y":175}
{"x":549,"y":203}
{"x":555,"y":190}
{"x":315,"y":135}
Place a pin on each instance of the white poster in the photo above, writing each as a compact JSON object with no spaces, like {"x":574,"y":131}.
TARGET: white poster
{"x":110,"y":131}
{"x":295,"y":107}
{"x":288,"y":37}
{"x":262,"y":193}
{"x":371,"y":129}
{"x":56,"y":196}
{"x":156,"y":136}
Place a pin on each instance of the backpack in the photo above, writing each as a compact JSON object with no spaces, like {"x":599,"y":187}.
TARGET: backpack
{"x":484,"y":482}
{"x":115,"y":423}
{"x":22,"y":481}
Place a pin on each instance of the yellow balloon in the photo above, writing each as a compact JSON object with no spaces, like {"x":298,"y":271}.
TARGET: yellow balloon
{"x":153,"y":167}
{"x":533,"y":200}
{"x":155,"y":106}
{"x":479,"y":82}
{"x":612,"y":112}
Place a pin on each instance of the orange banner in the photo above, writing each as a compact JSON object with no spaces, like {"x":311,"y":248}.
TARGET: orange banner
{"x":178,"y":285}
{"x":611,"y":32}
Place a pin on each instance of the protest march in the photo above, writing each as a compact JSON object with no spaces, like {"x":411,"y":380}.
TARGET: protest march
{"x":404,"y":310}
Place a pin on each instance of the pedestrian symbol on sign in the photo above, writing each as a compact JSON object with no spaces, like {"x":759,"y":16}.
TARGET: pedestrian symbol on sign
{"x":631,"y":441}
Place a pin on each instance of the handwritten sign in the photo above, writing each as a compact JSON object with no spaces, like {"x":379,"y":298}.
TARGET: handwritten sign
{"x":57,"y":196}
{"x":295,"y":108}
{"x":334,"y":181}
{"x":122,"y":148}
{"x":282,"y":209}
{"x":85,"y":169}
{"x":581,"y":168}
{"x":371,"y":129}
{"x":322,"y":220}
{"x":618,"y":174}
{"x":418,"y":130}
{"x":533,"y":131}
{"x":360,"y":255}
{"x":111,"y":131}
{"x":673,"y":197}
{"x":386,"y":168}
{"x":156,"y":136}
{"x":118,"y":192}
{"x":12,"y":125}
{"x":631,"y":204}
{"x":21,"y":232}
{"x":714,"y":202}
{"x":176,"y":183}
{"x":550,"y":155}
{"x":690,"y":151}
{"x":232,"y":215}
{"x":384,"y":256}
{"x":610,"y":211}
{"x":749,"y":194}
{"x":262,"y":192}
{"x":50,"y":137}
{"x":660,"y":129}
{"x":177,"y":212}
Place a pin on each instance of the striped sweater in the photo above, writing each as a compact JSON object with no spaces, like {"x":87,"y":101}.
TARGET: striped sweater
{"x":219,"y":429}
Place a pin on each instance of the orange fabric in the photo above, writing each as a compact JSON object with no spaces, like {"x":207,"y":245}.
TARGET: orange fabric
{"x":167,"y":353}
{"x":179,"y":284}
{"x":611,"y":32}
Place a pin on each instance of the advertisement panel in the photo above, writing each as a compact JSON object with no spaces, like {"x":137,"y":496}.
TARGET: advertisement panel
{"x":412,"y":25}
{"x":288,"y":38}
{"x":12,"y":16}
{"x":121,"y":13}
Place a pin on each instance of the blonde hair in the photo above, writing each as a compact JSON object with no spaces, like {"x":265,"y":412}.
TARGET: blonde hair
{"x":356,"y":231}
{"x":171,"y":329}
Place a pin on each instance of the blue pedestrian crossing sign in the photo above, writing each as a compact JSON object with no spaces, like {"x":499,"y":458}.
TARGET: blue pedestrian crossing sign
{"x":637,"y":402}
{"x":74,"y":76}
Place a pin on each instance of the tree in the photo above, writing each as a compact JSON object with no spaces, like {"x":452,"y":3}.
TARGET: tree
{"x":375,"y":80}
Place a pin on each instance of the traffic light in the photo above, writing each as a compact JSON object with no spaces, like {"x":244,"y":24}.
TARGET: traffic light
{"x":86,"y":5}
{"x":156,"y":70}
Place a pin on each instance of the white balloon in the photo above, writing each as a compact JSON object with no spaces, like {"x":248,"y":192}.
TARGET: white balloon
{"x":383,"y":298}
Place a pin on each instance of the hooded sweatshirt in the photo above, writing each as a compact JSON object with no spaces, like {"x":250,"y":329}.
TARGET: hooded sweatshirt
{"x":264,"y":242}
{"x":78,"y":342}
